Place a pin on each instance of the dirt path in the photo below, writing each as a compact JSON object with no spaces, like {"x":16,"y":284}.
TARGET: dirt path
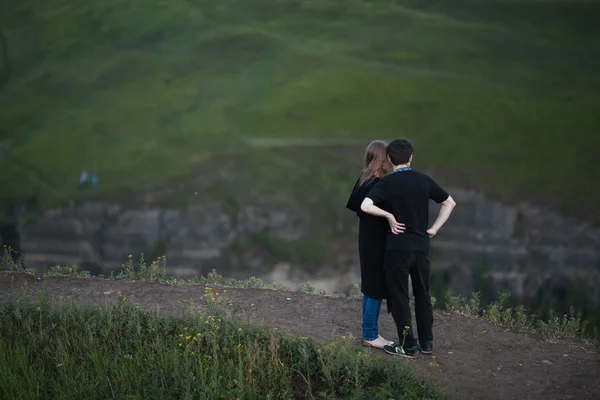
{"x":476,"y":360}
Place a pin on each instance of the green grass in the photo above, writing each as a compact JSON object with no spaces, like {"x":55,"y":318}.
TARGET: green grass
{"x":503,"y":94}
{"x":122,"y":352}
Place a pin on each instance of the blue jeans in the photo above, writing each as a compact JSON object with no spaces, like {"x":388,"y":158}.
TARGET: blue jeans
{"x":370,"y":324}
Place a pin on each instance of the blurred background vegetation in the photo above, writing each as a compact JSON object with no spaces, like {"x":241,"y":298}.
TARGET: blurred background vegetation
{"x":502,"y":94}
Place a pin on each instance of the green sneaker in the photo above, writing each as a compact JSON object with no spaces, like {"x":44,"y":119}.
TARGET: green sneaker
{"x":426,"y":347}
{"x":408,"y":352}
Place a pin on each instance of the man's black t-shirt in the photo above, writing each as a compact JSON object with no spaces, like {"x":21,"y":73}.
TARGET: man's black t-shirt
{"x":406,"y":194}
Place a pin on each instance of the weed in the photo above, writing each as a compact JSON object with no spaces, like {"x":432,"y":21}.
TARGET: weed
{"x":569,"y":326}
{"x":404,"y":334}
{"x":308,"y":288}
{"x":212,"y":278}
{"x":462,"y":305}
{"x":155,"y":272}
{"x":252,"y":282}
{"x":11,"y":260}
{"x":65,"y":270}
{"x":355,"y":292}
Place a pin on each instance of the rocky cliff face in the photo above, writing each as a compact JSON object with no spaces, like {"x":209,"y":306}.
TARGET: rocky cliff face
{"x":524,"y":248}
{"x":100,"y":236}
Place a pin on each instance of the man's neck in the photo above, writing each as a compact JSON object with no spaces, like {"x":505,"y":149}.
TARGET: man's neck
{"x":397,"y":167}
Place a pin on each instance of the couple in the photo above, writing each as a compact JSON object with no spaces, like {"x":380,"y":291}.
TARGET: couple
{"x":393,"y":243}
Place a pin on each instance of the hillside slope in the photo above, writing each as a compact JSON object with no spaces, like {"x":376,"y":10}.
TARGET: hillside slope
{"x":473,"y":359}
{"x":151,"y":91}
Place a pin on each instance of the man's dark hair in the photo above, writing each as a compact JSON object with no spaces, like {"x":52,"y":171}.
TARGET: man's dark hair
{"x":399,"y":151}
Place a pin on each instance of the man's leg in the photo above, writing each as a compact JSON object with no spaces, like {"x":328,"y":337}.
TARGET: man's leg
{"x":397,"y":267}
{"x":419,"y":274}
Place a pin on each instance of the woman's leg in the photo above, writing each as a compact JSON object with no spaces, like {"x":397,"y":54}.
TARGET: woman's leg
{"x":364,"y":306}
{"x":377,"y":315}
{"x":370,"y":325}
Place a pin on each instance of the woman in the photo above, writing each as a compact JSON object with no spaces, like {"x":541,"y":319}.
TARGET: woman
{"x":372,"y":232}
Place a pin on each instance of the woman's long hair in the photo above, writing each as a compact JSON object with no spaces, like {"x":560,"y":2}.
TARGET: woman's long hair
{"x":376,"y":161}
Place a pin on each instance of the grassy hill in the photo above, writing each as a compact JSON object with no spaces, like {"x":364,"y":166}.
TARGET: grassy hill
{"x":502,"y":95}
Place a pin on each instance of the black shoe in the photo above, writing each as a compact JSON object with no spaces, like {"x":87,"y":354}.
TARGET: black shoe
{"x":408,"y":352}
{"x":426,"y":347}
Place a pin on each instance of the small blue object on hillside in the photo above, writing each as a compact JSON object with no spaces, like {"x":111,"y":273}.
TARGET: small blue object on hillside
{"x":83,"y":179}
{"x":86,"y":181}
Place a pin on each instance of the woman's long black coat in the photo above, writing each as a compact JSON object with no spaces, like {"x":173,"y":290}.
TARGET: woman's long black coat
{"x":372,"y":233}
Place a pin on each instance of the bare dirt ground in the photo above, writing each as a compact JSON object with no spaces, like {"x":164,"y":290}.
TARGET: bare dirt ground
{"x":474,"y":360}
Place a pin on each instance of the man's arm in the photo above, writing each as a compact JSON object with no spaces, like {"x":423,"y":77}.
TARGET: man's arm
{"x":369,"y":207}
{"x":447,"y":207}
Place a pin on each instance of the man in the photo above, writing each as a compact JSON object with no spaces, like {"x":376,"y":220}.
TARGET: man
{"x":406,"y":194}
